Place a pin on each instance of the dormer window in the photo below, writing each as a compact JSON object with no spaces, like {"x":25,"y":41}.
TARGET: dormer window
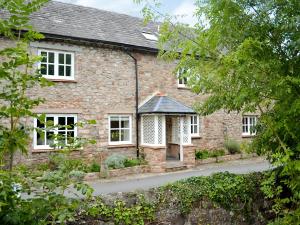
{"x":150,"y":36}
{"x":57,"y":64}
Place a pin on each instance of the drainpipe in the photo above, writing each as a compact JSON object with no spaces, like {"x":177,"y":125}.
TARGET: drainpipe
{"x":136,"y":101}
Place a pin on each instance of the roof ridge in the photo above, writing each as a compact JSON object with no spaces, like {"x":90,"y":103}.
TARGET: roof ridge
{"x":158,"y":103}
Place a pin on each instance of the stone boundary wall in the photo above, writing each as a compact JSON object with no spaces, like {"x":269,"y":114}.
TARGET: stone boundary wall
{"x":117,"y":172}
{"x":224,"y":158}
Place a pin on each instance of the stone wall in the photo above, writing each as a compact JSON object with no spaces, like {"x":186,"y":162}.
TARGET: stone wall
{"x":156,"y":158}
{"x":105,"y":84}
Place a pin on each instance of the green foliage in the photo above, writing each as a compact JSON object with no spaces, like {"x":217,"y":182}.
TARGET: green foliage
{"x":229,"y":191}
{"x":244,"y":56}
{"x":115,"y":161}
{"x":232,"y":146}
{"x":204,"y":154}
{"x":134,"y":162}
{"x":94,"y":167}
{"x":246,"y":147}
{"x":217,"y":153}
{"x":17,"y":76}
{"x":120,"y":213}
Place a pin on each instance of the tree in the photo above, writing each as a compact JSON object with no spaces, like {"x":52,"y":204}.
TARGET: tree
{"x":17,"y":75}
{"x":46,"y":202}
{"x":244,"y":56}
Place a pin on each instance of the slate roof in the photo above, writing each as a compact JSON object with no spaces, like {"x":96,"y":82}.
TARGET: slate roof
{"x":64,"y":19}
{"x":164,"y":105}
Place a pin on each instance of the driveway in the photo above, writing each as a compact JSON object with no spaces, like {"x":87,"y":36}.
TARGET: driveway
{"x":146,"y":181}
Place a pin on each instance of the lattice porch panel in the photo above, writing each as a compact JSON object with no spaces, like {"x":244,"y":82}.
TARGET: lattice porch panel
{"x":185,"y":129}
{"x":175,"y":130}
{"x":149,"y":129}
{"x":160,"y":127}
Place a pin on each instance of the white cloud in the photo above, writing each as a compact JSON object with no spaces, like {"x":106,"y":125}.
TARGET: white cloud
{"x":186,"y":11}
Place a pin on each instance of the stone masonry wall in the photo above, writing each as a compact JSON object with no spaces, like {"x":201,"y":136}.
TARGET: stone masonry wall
{"x":105,"y":84}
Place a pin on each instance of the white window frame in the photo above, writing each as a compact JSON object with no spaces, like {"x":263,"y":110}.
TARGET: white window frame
{"x":56,"y":65}
{"x":150,"y":36}
{"x":197,"y":134}
{"x":130,"y":130}
{"x":155,"y":131}
{"x":184,"y":80}
{"x":55,"y":130}
{"x":249,"y":125}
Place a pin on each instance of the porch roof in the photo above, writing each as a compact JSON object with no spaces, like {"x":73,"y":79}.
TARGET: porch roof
{"x":164,"y":105}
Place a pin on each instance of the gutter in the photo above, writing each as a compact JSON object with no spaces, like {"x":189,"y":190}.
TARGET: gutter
{"x":96,"y":41}
{"x":136,"y":101}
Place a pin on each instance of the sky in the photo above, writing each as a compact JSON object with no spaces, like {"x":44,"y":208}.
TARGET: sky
{"x":184,"y":8}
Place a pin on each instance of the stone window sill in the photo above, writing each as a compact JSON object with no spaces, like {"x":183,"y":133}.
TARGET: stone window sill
{"x":63,"y":80}
{"x":121,"y":146}
{"x":153,"y":146}
{"x":48,"y":150}
{"x":183,"y":88}
{"x":248,"y":136}
{"x":196,"y":137}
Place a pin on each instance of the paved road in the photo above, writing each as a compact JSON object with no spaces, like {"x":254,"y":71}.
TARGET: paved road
{"x":146,"y":181}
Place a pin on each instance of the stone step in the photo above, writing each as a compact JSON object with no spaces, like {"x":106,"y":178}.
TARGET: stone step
{"x":173,"y":168}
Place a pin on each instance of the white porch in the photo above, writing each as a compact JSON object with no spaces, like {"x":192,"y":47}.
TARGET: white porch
{"x":165,"y":132}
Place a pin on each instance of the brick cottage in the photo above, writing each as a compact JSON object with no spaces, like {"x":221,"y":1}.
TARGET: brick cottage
{"x":105,"y":67}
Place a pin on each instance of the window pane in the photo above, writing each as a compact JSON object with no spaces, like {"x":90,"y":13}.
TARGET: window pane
{"x":61,"y":138}
{"x":61,"y":58}
{"x":68,"y":59}
{"x":185,"y":80}
{"x":62,"y":122}
{"x":40,"y":136}
{"x":125,"y":135}
{"x":114,"y":135}
{"x":50,"y":69}
{"x":192,"y":129}
{"x":70,"y":137}
{"x":68,"y":71}
{"x":50,"y":121}
{"x":195,"y":129}
{"x":245,"y":120}
{"x":49,"y":138}
{"x":44,"y":56}
{"x":40,"y":124}
{"x":71,"y":123}
{"x":114,"y":122}
{"x":50,"y":57}
{"x":195,"y":119}
{"x":61,"y":71}
{"x":180,"y":81}
{"x":43,"y":69}
{"x":125,"y":124}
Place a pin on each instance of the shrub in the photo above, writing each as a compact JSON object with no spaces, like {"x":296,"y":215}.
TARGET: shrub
{"x":202,"y":154}
{"x":232,"y":146}
{"x":246,"y":147}
{"x":217,"y":153}
{"x":63,"y":162}
{"x":115,"y":161}
{"x":132,"y":162}
{"x":95,"y":167}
